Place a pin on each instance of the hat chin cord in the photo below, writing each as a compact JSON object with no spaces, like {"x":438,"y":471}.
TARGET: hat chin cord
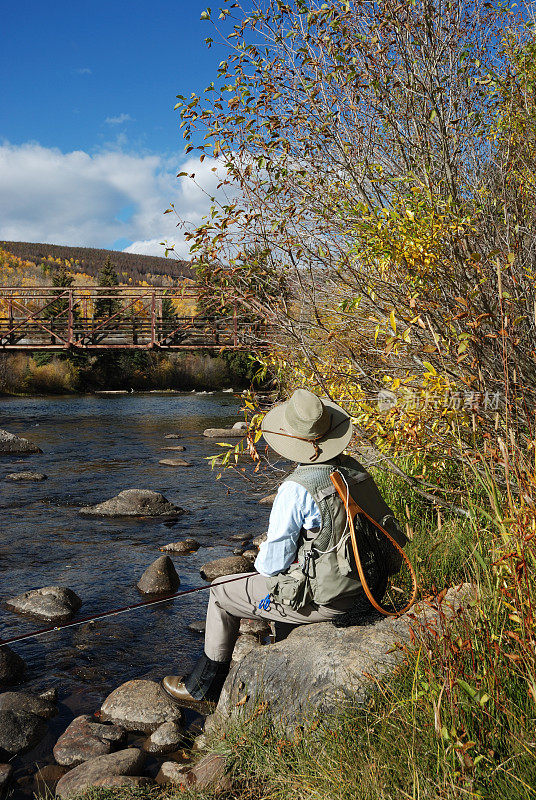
{"x":314,"y":440}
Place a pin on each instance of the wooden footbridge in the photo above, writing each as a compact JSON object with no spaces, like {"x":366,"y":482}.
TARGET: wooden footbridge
{"x":126,"y":317}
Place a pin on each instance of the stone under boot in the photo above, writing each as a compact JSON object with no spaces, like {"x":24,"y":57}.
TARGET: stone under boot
{"x":202,"y":685}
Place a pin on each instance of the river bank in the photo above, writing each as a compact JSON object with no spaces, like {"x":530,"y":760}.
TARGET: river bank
{"x":46,"y":373}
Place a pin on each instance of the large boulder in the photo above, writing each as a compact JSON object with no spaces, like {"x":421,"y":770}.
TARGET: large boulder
{"x":320,"y":666}
{"x":175,"y":462}
{"x":26,"y":476}
{"x":159,"y":578}
{"x":134,"y":503}
{"x":40,"y":705}
{"x":139,"y":706}
{"x":86,"y":738}
{"x":16,"y":445}
{"x":50,"y":604}
{"x":230,"y":565}
{"x":20,"y":731}
{"x":11,"y":666}
{"x":99,"y":769}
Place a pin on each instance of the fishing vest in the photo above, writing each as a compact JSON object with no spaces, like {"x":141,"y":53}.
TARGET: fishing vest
{"x":326,"y":569}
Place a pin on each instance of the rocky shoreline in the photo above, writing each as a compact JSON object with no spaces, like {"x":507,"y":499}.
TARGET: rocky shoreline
{"x":138,"y":737}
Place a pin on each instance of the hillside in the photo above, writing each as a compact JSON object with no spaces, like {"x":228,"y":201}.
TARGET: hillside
{"x":89,"y":260}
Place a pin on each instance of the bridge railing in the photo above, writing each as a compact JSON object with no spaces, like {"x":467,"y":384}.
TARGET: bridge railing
{"x":126,"y":317}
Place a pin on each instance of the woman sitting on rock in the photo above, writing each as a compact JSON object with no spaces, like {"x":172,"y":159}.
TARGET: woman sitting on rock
{"x":305,"y":570}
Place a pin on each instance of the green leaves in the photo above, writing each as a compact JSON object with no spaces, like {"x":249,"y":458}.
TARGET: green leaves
{"x":479,"y":696}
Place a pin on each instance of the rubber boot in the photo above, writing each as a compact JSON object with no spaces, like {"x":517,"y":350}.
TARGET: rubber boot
{"x":202,"y":685}
{"x":206,"y":680}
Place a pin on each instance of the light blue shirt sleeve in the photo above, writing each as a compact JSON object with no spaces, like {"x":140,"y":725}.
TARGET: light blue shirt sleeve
{"x":293,"y":509}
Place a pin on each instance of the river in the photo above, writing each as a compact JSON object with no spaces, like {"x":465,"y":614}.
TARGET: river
{"x":93,"y":447}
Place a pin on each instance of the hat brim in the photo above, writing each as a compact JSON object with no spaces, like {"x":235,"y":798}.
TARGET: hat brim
{"x":329,"y":446}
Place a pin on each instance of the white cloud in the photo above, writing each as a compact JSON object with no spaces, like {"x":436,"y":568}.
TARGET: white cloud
{"x":94,"y":200}
{"x":119,"y":120}
{"x":84,"y":71}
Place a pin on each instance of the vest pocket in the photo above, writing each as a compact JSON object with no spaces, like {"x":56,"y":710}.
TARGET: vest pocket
{"x":291,"y":589}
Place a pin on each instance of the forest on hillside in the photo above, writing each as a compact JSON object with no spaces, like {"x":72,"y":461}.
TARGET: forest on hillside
{"x":89,"y":260}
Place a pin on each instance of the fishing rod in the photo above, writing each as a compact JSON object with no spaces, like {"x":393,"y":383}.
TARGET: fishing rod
{"x":114,"y":612}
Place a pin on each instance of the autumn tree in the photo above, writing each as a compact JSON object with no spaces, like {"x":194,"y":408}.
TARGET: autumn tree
{"x":364,"y":146}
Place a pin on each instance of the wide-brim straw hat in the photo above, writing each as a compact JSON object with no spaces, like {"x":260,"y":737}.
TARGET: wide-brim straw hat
{"x":307,"y":429}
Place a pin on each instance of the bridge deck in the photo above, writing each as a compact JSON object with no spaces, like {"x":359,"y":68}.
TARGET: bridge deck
{"x":100,"y":318}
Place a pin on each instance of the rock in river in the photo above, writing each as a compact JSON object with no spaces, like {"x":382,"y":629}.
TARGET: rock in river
{"x":11,"y":666}
{"x":19,"y":731}
{"x":175,"y":462}
{"x":16,"y":445}
{"x":224,"y":433}
{"x":160,"y":578}
{"x":40,"y":705}
{"x":229,"y":565}
{"x":268,"y":500}
{"x":179,"y":448}
{"x":26,"y":476}
{"x":181,"y":548}
{"x":5,"y":775}
{"x":101,"y":768}
{"x":134,"y":503}
{"x":139,"y":706}
{"x":86,"y":738}
{"x":50,"y":604}
{"x":198,"y":626}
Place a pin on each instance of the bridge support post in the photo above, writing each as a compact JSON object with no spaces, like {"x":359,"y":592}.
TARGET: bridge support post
{"x":153,"y":319}
{"x":70,"y":320}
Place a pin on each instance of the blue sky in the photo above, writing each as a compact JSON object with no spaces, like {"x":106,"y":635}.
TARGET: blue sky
{"x":88,"y":94}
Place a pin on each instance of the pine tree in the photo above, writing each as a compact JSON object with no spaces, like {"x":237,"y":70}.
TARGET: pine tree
{"x":62,"y":279}
{"x":108,"y":277}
